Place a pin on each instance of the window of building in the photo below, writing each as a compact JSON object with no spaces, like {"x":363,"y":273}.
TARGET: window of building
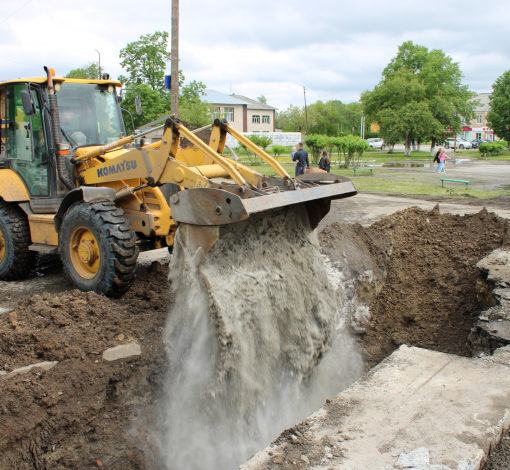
{"x":255,"y":119}
{"x":478,"y":135}
{"x":229,"y":114}
{"x":266,"y":131}
{"x":265,"y":119}
{"x":256,"y":132}
{"x":479,"y":118}
{"x":216,"y":112}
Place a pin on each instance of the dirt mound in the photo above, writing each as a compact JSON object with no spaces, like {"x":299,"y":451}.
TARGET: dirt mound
{"x":429,"y":295}
{"x":202,"y":135}
{"x":81,"y":411}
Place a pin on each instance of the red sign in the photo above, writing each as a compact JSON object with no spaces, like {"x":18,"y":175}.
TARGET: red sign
{"x":467,"y":128}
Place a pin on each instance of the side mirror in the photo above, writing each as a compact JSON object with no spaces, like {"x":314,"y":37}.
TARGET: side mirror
{"x":138,"y":104}
{"x":27,"y":99}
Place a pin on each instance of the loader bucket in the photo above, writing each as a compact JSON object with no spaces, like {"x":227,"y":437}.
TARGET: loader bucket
{"x":200,"y":211}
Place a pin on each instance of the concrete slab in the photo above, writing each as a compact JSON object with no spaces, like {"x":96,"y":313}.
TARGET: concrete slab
{"x":23,"y":370}
{"x":446,"y":411}
{"x":122,"y":351}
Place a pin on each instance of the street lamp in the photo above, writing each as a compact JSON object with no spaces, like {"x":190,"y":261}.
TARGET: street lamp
{"x":99,"y":63}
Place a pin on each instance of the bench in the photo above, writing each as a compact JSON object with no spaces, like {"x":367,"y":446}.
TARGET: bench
{"x":455,"y":181}
{"x":361,"y":169}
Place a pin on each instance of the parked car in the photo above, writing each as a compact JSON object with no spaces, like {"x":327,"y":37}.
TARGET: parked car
{"x":473,"y":143}
{"x":376,"y":143}
{"x":461,"y":144}
{"x":479,"y":141}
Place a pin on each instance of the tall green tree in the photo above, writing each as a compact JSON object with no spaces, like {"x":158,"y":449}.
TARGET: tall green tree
{"x":291,"y":119}
{"x":262,"y":99}
{"x":154,"y":106}
{"x":447,"y":98}
{"x":145,"y":60}
{"x":499,"y":116}
{"x":399,"y":104}
{"x":88,"y":71}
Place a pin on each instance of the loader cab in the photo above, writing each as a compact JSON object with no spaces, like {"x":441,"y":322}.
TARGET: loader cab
{"x":89,"y":115}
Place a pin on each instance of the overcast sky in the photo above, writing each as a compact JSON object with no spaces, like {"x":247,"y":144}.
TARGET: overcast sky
{"x":336,"y":48}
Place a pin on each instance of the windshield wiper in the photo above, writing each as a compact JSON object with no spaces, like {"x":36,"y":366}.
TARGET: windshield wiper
{"x":69,"y":139}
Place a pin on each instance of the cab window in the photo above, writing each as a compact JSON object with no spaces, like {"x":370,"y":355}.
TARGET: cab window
{"x":25,"y":142}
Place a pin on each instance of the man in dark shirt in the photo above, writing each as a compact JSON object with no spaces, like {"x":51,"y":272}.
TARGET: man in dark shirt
{"x":301,"y":157}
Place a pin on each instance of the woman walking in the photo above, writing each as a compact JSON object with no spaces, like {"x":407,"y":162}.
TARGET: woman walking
{"x":442,"y":157}
{"x":325,"y":163}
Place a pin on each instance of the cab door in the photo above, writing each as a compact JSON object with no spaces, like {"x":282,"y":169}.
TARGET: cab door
{"x":24,"y":141}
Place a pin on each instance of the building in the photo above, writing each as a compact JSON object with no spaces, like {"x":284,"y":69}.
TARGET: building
{"x":243,"y":113}
{"x":478,"y":128}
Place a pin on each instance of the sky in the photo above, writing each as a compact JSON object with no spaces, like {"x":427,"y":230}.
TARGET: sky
{"x":336,"y":49}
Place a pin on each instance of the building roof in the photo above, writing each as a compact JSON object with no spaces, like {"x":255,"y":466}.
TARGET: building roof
{"x":484,"y":99}
{"x":253,"y":104}
{"x":216,"y":97}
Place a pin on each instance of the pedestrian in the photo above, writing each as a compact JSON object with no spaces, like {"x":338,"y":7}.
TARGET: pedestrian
{"x":325,"y":163}
{"x":442,"y":157}
{"x":293,"y":152}
{"x":301,"y":159}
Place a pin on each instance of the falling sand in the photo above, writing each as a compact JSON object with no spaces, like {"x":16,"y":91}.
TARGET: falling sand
{"x":246,"y":333}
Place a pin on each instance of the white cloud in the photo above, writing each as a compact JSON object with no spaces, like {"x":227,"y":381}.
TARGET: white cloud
{"x":336,"y":48}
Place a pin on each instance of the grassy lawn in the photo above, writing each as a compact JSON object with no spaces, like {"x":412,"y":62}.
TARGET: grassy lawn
{"x":398,"y":183}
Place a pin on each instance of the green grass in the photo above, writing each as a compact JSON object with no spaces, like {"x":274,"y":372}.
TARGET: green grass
{"x":387,"y":181}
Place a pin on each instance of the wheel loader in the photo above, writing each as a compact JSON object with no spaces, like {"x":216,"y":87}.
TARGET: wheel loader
{"x":73,"y":182}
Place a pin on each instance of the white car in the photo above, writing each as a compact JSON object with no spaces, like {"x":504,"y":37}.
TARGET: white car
{"x":461,"y":144}
{"x":376,"y":143}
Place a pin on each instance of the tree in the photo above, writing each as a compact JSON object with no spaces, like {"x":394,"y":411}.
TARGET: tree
{"x":499,"y":116}
{"x":291,"y":119}
{"x":153,"y":106}
{"x":262,"y":99}
{"x":145,"y":60}
{"x":191,"y":107}
{"x":448,"y":100}
{"x":88,"y":71}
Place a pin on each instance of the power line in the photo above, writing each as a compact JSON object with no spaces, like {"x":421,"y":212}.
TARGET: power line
{"x":3,"y":21}
{"x":21,"y":63}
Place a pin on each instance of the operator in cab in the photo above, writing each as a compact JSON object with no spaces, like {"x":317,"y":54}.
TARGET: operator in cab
{"x":75,"y":122}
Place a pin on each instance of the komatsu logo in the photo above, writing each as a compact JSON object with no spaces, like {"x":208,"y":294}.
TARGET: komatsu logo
{"x":118,"y":168}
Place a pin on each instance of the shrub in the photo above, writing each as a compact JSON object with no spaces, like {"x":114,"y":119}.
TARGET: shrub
{"x":492,"y":148}
{"x":277,"y":150}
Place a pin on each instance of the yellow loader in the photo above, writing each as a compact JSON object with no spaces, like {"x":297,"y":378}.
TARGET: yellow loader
{"x":73,"y":182}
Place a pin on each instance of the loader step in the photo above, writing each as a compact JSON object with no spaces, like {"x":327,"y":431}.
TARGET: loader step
{"x":363,"y":169}
{"x":44,"y":249}
{"x":455,"y":181}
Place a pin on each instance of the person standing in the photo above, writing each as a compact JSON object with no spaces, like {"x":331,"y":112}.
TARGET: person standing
{"x":301,"y":159}
{"x":325,"y":163}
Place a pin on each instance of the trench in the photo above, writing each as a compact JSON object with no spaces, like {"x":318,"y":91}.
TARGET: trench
{"x":407,"y":279}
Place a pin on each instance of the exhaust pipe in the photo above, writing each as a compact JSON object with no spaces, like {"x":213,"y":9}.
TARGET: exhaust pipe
{"x":62,"y":148}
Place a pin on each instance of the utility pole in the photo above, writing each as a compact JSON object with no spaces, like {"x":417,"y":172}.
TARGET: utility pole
{"x":306,"y":110}
{"x":99,"y":63}
{"x":174,"y":90}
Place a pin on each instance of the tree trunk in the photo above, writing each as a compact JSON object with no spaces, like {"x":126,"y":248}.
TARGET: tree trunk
{"x":408,"y":145}
{"x":432,"y":147}
{"x":418,"y":145}
{"x":414,"y":144}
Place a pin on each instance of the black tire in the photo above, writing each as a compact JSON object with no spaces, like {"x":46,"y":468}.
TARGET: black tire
{"x":461,"y":147}
{"x":383,"y":147}
{"x":18,"y":260}
{"x":116,"y":245}
{"x":446,"y":146}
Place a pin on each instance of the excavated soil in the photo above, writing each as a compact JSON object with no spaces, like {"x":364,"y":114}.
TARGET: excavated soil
{"x":85,"y":412}
{"x":424,"y":264}
{"x":415,"y":270}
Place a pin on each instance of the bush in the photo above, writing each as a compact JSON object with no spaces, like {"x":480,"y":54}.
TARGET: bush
{"x":277,"y":150}
{"x":492,"y":148}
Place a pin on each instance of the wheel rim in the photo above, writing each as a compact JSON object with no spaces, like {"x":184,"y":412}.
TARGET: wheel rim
{"x":2,"y":245}
{"x":84,"y":251}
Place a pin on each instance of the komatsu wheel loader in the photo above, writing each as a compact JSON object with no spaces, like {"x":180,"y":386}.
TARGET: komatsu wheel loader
{"x":73,"y":182}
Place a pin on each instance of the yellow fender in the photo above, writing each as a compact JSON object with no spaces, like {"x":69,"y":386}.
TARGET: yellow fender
{"x":12,"y":188}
